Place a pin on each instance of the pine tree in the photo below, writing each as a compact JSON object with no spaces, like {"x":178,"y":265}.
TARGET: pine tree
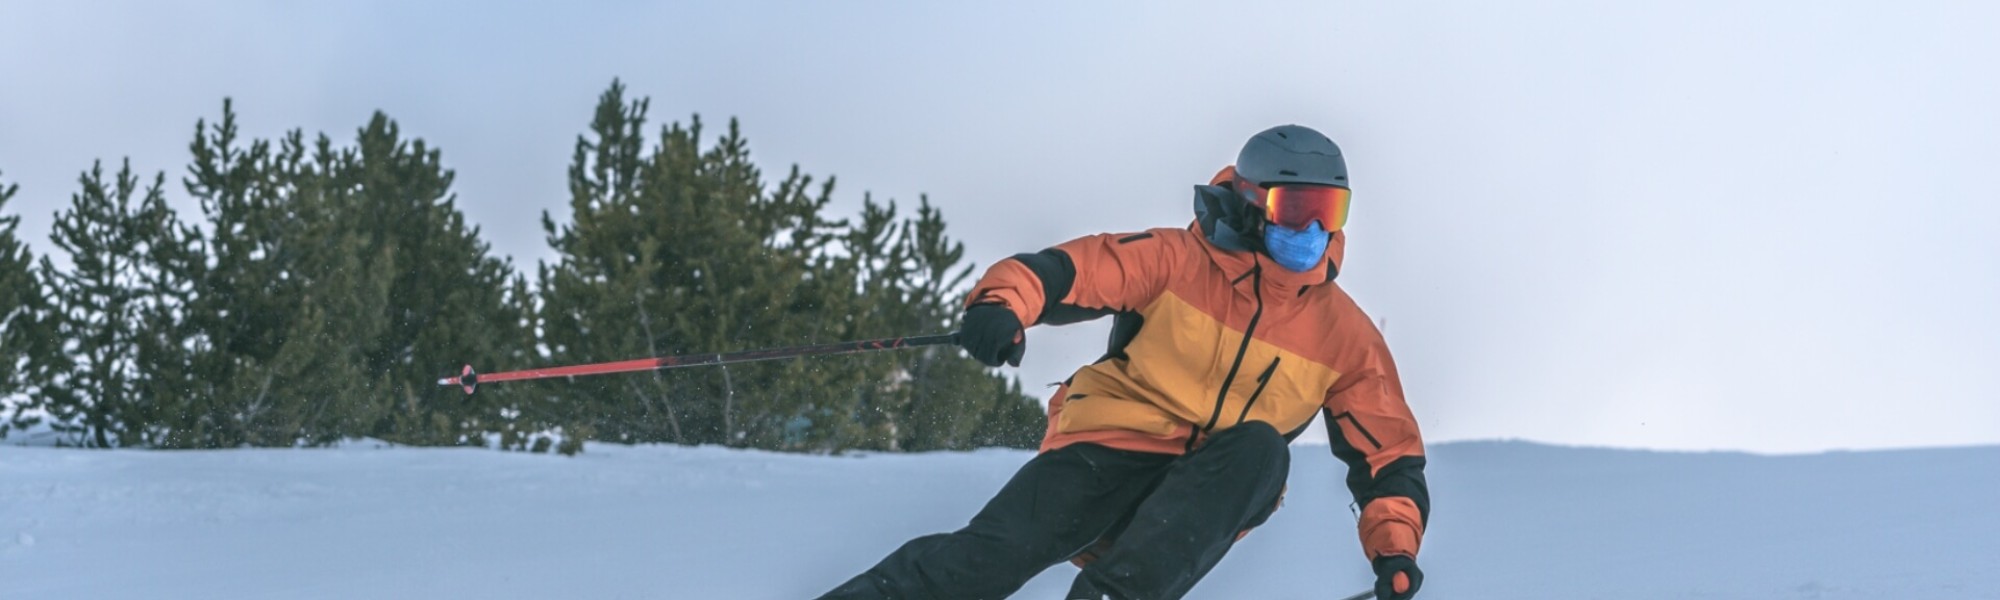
{"x":450,"y":301}
{"x":26,"y":341}
{"x":165,"y":353}
{"x":682,"y":248}
{"x":332,"y":285}
{"x":314,"y":386}
{"x":99,"y":304}
{"x":280,"y":292}
{"x":948,"y":407}
{"x":244,"y":298}
{"x":339,"y":284}
{"x":951,"y":402}
{"x":589,"y":299}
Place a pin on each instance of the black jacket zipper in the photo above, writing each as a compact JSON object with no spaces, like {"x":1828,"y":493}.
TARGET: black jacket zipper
{"x":1349,"y":415}
{"x":1262,"y":380}
{"x":1257,"y":289}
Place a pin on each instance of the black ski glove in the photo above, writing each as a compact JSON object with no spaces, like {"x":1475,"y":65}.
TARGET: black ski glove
{"x":992,"y":334}
{"x":1389,"y":569}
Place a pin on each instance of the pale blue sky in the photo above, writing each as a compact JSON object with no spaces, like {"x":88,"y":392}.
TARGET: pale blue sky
{"x":1693,"y":225}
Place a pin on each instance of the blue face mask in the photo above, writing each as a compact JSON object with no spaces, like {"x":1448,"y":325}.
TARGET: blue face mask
{"x":1295,"y":250}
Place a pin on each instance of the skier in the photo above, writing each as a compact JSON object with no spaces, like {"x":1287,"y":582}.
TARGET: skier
{"x":1228,"y":336}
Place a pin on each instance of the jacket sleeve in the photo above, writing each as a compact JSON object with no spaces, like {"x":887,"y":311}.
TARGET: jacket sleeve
{"x":1373,"y":431}
{"x":1084,"y":278}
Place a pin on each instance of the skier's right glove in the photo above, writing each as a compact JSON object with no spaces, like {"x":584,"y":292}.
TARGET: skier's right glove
{"x":992,"y":335}
{"x":1397,"y":577}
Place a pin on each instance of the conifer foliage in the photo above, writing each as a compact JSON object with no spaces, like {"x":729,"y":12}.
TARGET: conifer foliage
{"x":677,"y":248}
{"x":104,"y":305}
{"x":324,"y":288}
{"x":26,"y":339}
{"x":330,"y":288}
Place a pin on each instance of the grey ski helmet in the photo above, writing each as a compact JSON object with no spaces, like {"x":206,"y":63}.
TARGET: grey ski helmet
{"x":1291,"y":154}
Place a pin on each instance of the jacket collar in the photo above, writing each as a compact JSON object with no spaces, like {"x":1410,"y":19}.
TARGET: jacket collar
{"x":1217,"y":208}
{"x":1238,"y":264}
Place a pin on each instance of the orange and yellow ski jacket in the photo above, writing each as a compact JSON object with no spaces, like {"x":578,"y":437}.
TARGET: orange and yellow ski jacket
{"x":1207,"y":338}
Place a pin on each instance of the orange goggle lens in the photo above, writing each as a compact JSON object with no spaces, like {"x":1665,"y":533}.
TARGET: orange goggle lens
{"x":1296,"y":206}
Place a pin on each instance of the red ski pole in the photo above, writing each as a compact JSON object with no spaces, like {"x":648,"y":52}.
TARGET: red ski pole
{"x":470,"y":380}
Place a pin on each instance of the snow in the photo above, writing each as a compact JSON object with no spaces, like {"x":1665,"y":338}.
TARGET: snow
{"x":1513,"y":520}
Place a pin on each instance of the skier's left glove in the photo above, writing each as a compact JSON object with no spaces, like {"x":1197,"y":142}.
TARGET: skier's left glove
{"x":1397,"y":577}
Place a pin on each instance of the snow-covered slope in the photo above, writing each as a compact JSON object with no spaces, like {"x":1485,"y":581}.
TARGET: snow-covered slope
{"x":1512,"y":520}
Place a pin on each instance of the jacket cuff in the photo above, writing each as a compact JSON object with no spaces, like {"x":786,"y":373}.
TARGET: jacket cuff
{"x":1009,"y":283}
{"x":1391,"y":526}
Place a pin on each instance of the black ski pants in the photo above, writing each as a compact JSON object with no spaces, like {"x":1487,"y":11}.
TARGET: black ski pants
{"x":1173,"y":517}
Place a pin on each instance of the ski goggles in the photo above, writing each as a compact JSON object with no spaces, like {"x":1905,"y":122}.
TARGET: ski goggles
{"x":1296,"y":206}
